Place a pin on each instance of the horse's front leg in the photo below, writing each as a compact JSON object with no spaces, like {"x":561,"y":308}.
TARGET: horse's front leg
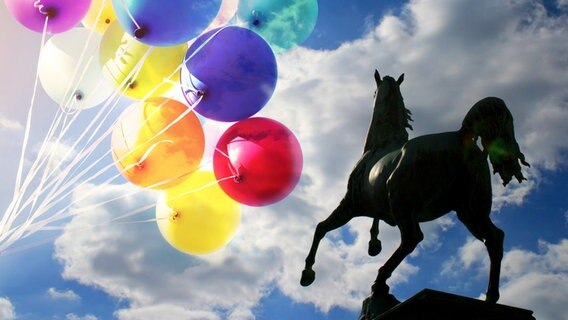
{"x":339,"y":217}
{"x":375,"y":246}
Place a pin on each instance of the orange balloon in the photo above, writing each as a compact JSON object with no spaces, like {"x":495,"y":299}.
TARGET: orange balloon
{"x":158,"y":143}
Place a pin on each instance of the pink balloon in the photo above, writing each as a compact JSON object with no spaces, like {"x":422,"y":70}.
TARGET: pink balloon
{"x":264,"y":157}
{"x":63,"y":14}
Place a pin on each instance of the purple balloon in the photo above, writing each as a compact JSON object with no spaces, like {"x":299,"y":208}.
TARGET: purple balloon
{"x":232,"y":70}
{"x":63,"y":14}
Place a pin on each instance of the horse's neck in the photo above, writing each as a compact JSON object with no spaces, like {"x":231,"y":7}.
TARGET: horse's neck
{"x":384,"y":132}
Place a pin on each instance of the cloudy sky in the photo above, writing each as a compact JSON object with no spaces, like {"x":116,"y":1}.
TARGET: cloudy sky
{"x":453,"y":53}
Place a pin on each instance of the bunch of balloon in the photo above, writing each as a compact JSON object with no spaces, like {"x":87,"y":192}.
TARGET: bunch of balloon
{"x":221,"y":53}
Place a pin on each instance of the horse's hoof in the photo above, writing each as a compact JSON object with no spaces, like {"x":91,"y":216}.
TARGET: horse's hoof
{"x":308,"y":277}
{"x":492,"y":297}
{"x":375,"y":247}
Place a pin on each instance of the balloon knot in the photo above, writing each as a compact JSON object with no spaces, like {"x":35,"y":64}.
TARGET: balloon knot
{"x":107,"y":20}
{"x":78,"y":96}
{"x":50,"y":12}
{"x":174,"y":215}
{"x":132,"y":85}
{"x":140,"y":32}
{"x":238,"y":178}
{"x":139,"y":165}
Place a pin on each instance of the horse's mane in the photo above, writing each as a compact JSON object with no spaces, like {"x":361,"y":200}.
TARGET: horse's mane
{"x":491,"y":120}
{"x":389,"y":122}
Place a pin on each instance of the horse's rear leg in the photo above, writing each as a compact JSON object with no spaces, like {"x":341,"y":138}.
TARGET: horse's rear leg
{"x":410,"y":236}
{"x":483,"y":229}
{"x":375,"y":246}
{"x":339,"y":217}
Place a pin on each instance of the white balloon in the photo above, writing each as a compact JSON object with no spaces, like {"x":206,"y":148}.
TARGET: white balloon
{"x":69,"y":69}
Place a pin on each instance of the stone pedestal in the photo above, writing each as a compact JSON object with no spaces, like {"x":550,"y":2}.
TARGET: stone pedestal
{"x":430,"y":304}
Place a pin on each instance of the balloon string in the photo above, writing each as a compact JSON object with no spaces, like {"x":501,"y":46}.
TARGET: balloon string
{"x":140,"y":162}
{"x":49,"y":239}
{"x":61,"y":213}
{"x":61,"y":177}
{"x":86,"y":151}
{"x":177,"y":196}
{"x":38,"y":163}
{"x":8,"y":217}
{"x":59,"y":181}
{"x":125,"y":7}
{"x":154,"y":89}
{"x":37,"y":192}
{"x":100,"y":13}
{"x":42,"y":224}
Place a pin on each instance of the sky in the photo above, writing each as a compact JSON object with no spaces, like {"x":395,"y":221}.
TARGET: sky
{"x":453,"y":53}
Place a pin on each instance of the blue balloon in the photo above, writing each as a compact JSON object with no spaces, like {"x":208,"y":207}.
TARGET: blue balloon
{"x":283,"y":23}
{"x":165,"y":22}
{"x":231,"y":71}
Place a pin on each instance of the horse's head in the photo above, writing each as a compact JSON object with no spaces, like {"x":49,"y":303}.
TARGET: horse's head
{"x":388,"y":92}
{"x":390,"y":116}
{"x":490,"y":120}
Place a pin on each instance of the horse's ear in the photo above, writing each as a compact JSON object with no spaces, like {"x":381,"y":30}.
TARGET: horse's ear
{"x":377,"y":77}
{"x":400,"y":79}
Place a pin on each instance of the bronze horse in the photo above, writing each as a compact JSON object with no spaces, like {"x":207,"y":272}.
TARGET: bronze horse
{"x":404,"y":182}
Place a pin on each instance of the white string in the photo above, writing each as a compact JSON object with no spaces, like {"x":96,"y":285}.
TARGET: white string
{"x":90,"y":150}
{"x":7,"y":218}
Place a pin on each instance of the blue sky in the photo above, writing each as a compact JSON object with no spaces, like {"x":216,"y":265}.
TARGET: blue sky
{"x":453,"y":53}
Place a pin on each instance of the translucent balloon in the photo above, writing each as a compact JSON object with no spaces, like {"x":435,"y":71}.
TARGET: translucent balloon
{"x":70,"y":76}
{"x":158,"y":143}
{"x":120,"y":54}
{"x":197,"y":217}
{"x":165,"y":22}
{"x":264,"y":157}
{"x":100,"y":15}
{"x":233,"y":70}
{"x":283,"y":23}
{"x":63,"y":14}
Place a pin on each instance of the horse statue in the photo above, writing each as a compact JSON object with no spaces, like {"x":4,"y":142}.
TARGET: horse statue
{"x":404,"y":182}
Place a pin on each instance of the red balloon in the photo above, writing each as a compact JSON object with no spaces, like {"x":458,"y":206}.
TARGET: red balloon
{"x":264,"y":158}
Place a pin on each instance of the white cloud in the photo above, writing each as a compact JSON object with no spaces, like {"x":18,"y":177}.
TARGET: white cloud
{"x":134,"y":261}
{"x":63,"y":294}
{"x":7,"y":311}
{"x":9,"y":125}
{"x":537,"y":281}
{"x":534,"y":281}
{"x":453,"y":53}
{"x":57,"y":153}
{"x":164,"y":311}
{"x":72,"y":316}
{"x":472,"y":254}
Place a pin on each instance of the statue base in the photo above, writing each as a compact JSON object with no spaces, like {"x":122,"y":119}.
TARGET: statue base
{"x":430,"y":304}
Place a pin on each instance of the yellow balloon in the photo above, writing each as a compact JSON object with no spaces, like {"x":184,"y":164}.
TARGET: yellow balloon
{"x":120,"y":54}
{"x":154,"y":146}
{"x":101,"y":9}
{"x":196,"y":216}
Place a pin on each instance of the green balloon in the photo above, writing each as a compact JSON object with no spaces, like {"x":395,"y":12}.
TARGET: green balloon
{"x":282,"y":23}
